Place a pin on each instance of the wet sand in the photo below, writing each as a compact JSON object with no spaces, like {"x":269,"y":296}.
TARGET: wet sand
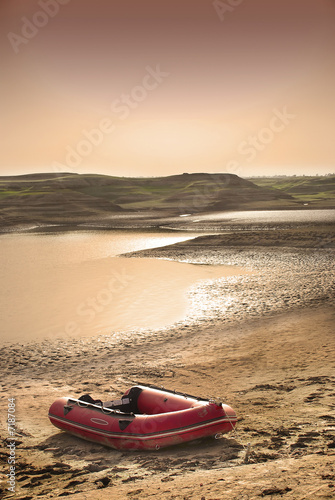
{"x":273,"y":362}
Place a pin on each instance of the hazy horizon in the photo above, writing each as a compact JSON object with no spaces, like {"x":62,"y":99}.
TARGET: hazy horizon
{"x":41,"y":173}
{"x":156,"y":89}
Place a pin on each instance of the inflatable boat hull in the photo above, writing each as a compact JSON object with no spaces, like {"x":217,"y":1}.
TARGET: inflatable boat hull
{"x":163,"y":418}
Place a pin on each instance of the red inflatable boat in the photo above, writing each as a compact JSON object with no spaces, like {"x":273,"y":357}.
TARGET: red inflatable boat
{"x":146,"y":417}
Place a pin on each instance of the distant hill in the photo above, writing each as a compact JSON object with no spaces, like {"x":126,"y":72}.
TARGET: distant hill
{"x":75,"y":198}
{"x":314,"y":191}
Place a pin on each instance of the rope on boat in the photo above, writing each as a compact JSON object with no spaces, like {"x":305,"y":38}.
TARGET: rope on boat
{"x":103,"y":409}
{"x":247,"y":448}
{"x":178,"y":393}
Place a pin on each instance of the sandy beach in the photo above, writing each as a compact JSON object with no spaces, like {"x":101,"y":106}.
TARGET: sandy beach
{"x":273,"y":363}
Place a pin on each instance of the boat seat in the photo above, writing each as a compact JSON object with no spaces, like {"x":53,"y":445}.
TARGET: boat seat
{"x":127,"y":403}
{"x":88,"y":399}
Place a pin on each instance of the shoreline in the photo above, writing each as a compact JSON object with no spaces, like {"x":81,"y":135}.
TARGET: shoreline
{"x":271,"y":357}
{"x":162,"y":220}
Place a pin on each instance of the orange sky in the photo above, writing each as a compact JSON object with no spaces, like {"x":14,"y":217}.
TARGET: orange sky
{"x":152,"y":87}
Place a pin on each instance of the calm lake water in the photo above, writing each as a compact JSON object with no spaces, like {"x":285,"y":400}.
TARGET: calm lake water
{"x":220,"y":220}
{"x":69,"y":285}
{"x":72,"y":284}
{"x":273,"y":216}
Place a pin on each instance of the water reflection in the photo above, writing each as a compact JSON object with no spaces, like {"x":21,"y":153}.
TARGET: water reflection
{"x":71,"y":285}
{"x":271,"y":216}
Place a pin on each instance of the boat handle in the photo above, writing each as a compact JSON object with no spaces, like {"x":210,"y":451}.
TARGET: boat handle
{"x":66,"y":409}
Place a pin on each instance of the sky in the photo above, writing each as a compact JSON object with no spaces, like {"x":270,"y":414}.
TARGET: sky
{"x":161,"y":87}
